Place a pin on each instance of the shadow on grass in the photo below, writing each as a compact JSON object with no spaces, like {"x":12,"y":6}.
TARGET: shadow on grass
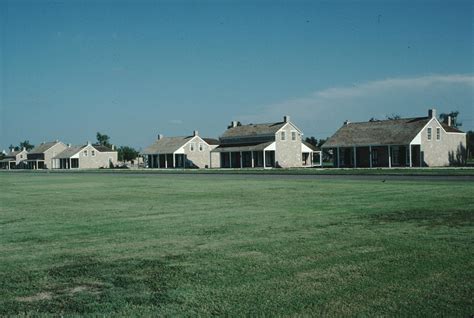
{"x":85,"y":285}
{"x":421,"y":217}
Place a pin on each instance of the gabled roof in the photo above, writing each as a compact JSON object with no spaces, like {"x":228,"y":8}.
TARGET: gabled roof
{"x":382,"y":132}
{"x":14,"y":153}
{"x":243,"y":147}
{"x":102,"y":148}
{"x":41,"y":148}
{"x":69,"y":152}
{"x":450,"y":129}
{"x":167,"y":145}
{"x":211,"y":141}
{"x":253,"y":130}
{"x":310,"y":146}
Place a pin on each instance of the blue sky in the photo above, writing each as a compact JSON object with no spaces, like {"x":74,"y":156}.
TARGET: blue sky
{"x":136,"y":69}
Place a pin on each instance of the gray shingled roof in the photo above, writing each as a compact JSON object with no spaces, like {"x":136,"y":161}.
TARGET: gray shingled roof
{"x":166,"y":145}
{"x":68,"y":152}
{"x":383,"y":132}
{"x":211,"y":141}
{"x":310,"y":146}
{"x":102,"y":148}
{"x":237,"y":148}
{"x":253,"y":130}
{"x":41,"y":148}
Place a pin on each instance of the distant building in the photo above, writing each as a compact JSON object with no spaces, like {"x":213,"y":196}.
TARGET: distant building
{"x":41,"y":157}
{"x":180,"y":152}
{"x":406,"y":142}
{"x":14,"y":159}
{"x":86,"y":157}
{"x":263,"y":145}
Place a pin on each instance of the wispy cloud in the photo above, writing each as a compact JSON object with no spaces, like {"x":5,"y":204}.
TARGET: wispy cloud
{"x":323,"y":111}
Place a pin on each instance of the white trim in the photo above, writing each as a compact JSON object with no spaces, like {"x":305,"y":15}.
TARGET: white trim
{"x":306,"y":149}
{"x":293,"y":125}
{"x":270,"y":147}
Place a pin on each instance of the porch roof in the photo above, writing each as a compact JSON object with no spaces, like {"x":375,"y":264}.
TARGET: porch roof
{"x":166,"y":145}
{"x":68,"y":152}
{"x":240,"y":147}
{"x":7,"y":160}
{"x":381,"y":132}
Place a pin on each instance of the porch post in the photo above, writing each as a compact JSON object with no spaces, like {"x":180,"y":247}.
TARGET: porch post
{"x":70,"y":163}
{"x":421,"y":161}
{"x":241,"y":161}
{"x":264,"y":161}
{"x":174,"y":155}
{"x":370,"y":156}
{"x":355,"y":157}
{"x":338,"y":159}
{"x":409,"y":155}
{"x":389,"y":157}
{"x":253,"y":162}
{"x":230,"y":159}
{"x":166,"y":161}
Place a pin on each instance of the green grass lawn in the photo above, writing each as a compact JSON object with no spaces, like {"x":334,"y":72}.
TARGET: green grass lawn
{"x":131,"y":245}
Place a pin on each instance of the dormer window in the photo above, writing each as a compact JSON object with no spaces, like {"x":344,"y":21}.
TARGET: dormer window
{"x":429,"y":133}
{"x":283,"y":135}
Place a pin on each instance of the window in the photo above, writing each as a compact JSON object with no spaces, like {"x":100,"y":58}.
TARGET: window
{"x":85,"y":153}
{"x":438,"y":133}
{"x":21,"y":156}
{"x":191,"y":146}
{"x":283,"y":136}
{"x":429,"y":133}
{"x":293,"y":135}
{"x":93,"y":153}
{"x":201,"y":148}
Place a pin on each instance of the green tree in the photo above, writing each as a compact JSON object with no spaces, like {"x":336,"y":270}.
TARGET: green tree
{"x":126,"y":153}
{"x":470,"y":144}
{"x":103,"y":139}
{"x":26,"y":144}
{"x":393,"y":117}
{"x":15,"y":148}
{"x":312,"y":141}
{"x":454,"y":118}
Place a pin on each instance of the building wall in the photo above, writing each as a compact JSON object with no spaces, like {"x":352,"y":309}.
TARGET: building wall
{"x":436,"y":153}
{"x":100,"y":160}
{"x":21,"y":156}
{"x":51,"y":153}
{"x":215,"y":159}
{"x":288,"y":152}
{"x":197,"y":158}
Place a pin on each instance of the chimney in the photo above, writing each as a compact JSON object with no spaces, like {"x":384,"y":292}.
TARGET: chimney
{"x":24,"y":149}
{"x":432,"y":113}
{"x":286,"y":119}
{"x":11,"y":149}
{"x":113,"y":147}
{"x":233,"y":123}
{"x":88,"y":143}
{"x":160,"y":136}
{"x":195,"y":133}
{"x":346,"y":123}
{"x":449,"y":121}
{"x":69,"y":145}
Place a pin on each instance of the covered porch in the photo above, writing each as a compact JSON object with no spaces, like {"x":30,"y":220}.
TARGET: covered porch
{"x":378,"y":156}
{"x":167,"y":161}
{"x":247,"y":156}
{"x":35,"y":164}
{"x":7,"y":164}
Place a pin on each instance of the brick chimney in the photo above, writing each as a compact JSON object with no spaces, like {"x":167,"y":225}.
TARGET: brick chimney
{"x":432,"y":113}
{"x":286,"y":119}
{"x":160,"y":136}
{"x":195,"y":133}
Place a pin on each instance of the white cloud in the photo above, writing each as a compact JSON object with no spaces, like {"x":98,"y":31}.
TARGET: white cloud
{"x":322,"y":112}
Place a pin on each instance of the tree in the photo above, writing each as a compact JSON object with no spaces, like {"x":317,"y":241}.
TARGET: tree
{"x":15,"y":148}
{"x":470,"y":144}
{"x":312,"y":141}
{"x":454,"y":118}
{"x":26,"y":144}
{"x":103,"y":140}
{"x":393,"y":117}
{"x":126,"y":153}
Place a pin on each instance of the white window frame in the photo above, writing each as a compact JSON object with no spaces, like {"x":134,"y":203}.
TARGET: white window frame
{"x":429,"y":133}
{"x":283,"y":135}
{"x":294,"y":135}
{"x":438,"y":133}
{"x":85,"y":153}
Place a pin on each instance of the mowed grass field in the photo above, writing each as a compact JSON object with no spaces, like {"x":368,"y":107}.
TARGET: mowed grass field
{"x":190,"y":245}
